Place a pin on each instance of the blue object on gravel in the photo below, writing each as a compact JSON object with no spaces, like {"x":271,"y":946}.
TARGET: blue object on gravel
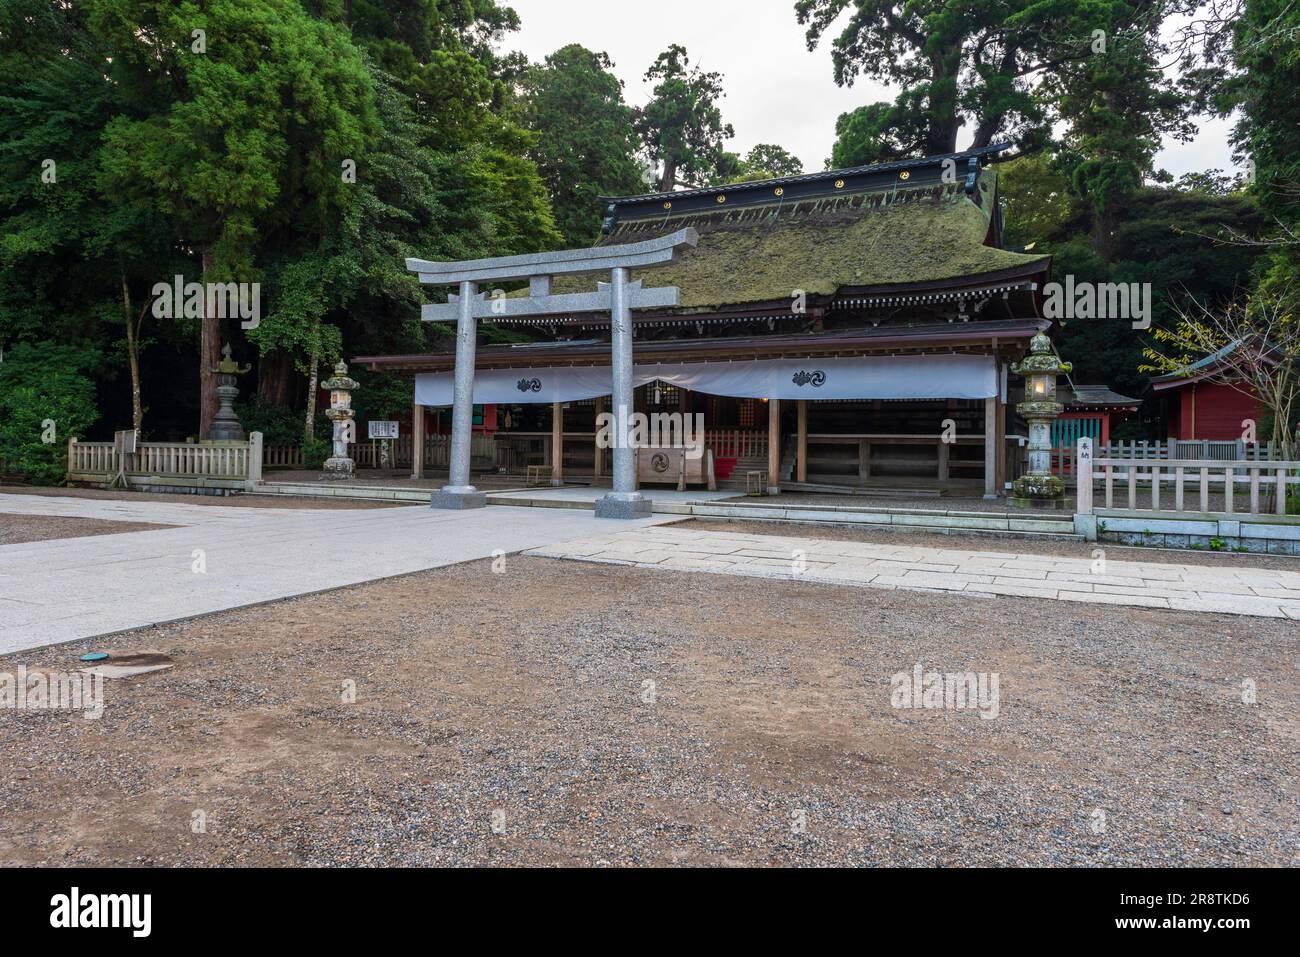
{"x":95,"y":656}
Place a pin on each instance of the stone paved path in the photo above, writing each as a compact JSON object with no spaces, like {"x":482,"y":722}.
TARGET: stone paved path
{"x":72,"y":588}
{"x":1237,"y":591}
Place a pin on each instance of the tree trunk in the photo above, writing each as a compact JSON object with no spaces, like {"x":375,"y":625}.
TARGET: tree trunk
{"x":313,"y":377}
{"x":669,"y":182}
{"x":133,"y":357}
{"x":209,"y":352}
{"x":274,"y":378}
{"x":1103,"y":232}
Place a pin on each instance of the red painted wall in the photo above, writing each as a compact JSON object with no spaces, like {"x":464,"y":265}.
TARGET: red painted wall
{"x":1210,"y":410}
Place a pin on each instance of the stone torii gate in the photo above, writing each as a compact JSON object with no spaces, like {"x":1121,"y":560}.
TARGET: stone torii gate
{"x":619,"y":297}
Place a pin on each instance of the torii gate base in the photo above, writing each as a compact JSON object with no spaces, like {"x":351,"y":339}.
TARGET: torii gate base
{"x":619,"y":505}
{"x":451,"y":498}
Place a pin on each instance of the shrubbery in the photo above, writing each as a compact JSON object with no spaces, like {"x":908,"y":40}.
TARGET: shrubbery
{"x":44,"y":400}
{"x":314,"y":452}
{"x":278,"y":424}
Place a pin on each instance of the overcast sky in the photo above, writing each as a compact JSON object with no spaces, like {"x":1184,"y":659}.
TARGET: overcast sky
{"x":776,"y":91}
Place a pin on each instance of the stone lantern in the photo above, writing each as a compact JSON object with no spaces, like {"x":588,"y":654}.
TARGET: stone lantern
{"x":225,"y":425}
{"x":338,"y":465}
{"x":1040,"y":368}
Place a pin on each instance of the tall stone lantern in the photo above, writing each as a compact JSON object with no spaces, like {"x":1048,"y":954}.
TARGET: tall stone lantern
{"x":1040,"y":368}
{"x":225,"y":425}
{"x":338,"y":465}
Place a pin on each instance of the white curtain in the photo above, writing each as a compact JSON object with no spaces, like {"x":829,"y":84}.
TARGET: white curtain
{"x":511,"y":386}
{"x":866,"y":377}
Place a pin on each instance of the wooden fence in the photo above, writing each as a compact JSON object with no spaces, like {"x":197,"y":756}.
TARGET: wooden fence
{"x":225,"y":465}
{"x":1215,"y":486}
{"x":282,"y":457}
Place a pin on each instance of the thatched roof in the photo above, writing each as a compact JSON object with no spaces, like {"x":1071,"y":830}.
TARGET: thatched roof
{"x":886,"y":237}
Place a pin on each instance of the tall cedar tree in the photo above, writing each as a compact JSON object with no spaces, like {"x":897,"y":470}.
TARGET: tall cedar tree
{"x":682,"y":124}
{"x":586,"y":143}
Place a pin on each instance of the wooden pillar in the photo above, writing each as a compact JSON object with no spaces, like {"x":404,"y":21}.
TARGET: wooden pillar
{"x":990,"y":447}
{"x":801,"y":467}
{"x":417,"y":441}
{"x":600,"y":453}
{"x":773,"y":446}
{"x":557,"y":444}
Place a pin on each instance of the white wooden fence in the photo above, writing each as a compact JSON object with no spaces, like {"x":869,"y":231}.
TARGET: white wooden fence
{"x":227,"y":465}
{"x":1240,"y":487}
{"x":1064,"y":457}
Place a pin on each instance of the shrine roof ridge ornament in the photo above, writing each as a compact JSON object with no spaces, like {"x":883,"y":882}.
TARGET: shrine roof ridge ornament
{"x":652,"y":252}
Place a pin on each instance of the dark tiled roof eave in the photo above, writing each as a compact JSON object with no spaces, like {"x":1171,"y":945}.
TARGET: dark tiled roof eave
{"x":931,"y":337}
{"x":1096,"y":396}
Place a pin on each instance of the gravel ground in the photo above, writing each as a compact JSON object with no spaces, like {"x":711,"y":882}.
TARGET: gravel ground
{"x":1121,"y":739}
{"x":40,"y":528}
{"x":244,"y":501}
{"x":994,"y":542}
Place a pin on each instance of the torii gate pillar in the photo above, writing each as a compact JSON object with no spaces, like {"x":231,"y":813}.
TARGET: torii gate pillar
{"x":624,"y":501}
{"x":458,"y":492}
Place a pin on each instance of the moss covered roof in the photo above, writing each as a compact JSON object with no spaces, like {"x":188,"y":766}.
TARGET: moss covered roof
{"x":763,"y":253}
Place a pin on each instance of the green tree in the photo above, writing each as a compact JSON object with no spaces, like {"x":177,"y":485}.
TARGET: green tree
{"x":236,"y":129}
{"x":880,"y":132}
{"x":1038,"y":204}
{"x":682,"y":126}
{"x":1164,"y":237}
{"x":764,"y":161}
{"x":586,"y":142}
{"x":1266,"y":55}
{"x":1117,"y":106}
{"x":76,"y":260}
{"x":769,"y":161}
{"x":959,"y":63}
